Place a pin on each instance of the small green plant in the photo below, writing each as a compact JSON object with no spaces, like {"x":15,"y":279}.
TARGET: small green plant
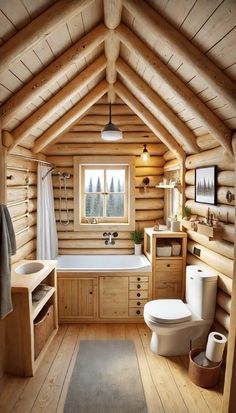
{"x":136,"y":236}
{"x":187,"y":212}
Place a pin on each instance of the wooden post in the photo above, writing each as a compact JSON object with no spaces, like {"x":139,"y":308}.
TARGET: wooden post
{"x":229,"y":396}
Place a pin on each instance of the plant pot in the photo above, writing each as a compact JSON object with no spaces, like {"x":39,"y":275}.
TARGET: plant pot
{"x":175,"y":226}
{"x":137,"y":249}
{"x":202,"y":376}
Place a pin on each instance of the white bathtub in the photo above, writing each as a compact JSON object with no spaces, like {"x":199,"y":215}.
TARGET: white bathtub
{"x":102,"y":263}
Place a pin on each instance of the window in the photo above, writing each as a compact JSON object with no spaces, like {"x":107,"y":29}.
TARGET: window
{"x":103,"y":192}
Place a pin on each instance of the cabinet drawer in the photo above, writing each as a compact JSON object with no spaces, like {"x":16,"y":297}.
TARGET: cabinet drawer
{"x":168,"y":265}
{"x":138,"y":279}
{"x":167,"y":290}
{"x":137,"y":303}
{"x":164,"y":276}
{"x":138,"y":286}
{"x":142,"y":294}
{"x":136,"y":312}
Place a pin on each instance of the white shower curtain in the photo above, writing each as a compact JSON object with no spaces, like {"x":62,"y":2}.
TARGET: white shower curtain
{"x":47,"y":243}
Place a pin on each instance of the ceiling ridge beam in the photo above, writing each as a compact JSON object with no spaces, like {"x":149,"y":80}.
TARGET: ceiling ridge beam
{"x":180,"y":45}
{"x":51,"y":106}
{"x":199,"y":109}
{"x":161,"y":110}
{"x":149,"y":119}
{"x":72,"y":116}
{"x":112,"y":19}
{"x":39,"y":29}
{"x":52,"y":73}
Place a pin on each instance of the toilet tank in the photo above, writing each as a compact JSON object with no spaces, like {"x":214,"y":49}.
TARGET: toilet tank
{"x":201,"y":288}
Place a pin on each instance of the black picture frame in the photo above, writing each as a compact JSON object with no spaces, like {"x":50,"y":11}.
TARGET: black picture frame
{"x":205,"y":185}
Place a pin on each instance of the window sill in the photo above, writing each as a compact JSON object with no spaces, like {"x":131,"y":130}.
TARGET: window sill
{"x":105,"y":227}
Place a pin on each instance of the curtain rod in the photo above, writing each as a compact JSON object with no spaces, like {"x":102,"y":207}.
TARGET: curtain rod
{"x":32,"y":159}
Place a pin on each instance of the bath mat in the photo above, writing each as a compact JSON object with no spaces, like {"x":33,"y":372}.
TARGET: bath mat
{"x":106,"y":379}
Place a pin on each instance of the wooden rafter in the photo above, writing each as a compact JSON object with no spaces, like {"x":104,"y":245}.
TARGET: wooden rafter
{"x":40,"y":28}
{"x":112,"y":19}
{"x":52,"y":73}
{"x":51,"y":106}
{"x":214,"y":125}
{"x":161,"y":110}
{"x":190,"y":54}
{"x":149,"y":119}
{"x":72,"y":116}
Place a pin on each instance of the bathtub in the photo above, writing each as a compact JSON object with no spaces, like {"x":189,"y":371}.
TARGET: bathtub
{"x":103,"y":263}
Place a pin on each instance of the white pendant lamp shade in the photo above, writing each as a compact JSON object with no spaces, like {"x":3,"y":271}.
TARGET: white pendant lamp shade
{"x":145,"y":154}
{"x":111,"y":132}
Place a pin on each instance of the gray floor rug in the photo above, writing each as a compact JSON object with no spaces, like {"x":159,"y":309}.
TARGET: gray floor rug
{"x":106,"y":379}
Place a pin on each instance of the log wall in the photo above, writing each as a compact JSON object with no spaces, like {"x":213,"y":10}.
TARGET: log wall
{"x":217,"y":255}
{"x":22,"y":202}
{"x":149,"y":201}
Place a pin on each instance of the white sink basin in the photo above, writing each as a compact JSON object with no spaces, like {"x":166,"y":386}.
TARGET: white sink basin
{"x":29,"y":268}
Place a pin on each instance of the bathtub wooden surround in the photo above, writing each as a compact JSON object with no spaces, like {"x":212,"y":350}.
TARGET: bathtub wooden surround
{"x":168,"y":69}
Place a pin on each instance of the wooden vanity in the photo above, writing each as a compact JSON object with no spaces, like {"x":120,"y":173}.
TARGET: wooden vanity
{"x":33,"y":323}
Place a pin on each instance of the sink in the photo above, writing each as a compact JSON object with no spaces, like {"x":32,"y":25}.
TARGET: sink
{"x":29,"y":268}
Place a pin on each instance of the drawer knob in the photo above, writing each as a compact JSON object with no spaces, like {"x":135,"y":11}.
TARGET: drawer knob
{"x":138,"y":303}
{"x":90,"y":292}
{"x":138,"y":312}
{"x":138,"y":286}
{"x":138,"y":279}
{"x":138,"y":294}
{"x":168,"y":265}
{"x":65,"y":307}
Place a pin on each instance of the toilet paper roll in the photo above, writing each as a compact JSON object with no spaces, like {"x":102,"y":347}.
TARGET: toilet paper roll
{"x":215,"y":346}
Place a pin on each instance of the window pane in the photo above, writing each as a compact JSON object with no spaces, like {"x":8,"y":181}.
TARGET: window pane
{"x":94,"y":180}
{"x":94,"y":205}
{"x":115,"y":180}
{"x":115,"y":205}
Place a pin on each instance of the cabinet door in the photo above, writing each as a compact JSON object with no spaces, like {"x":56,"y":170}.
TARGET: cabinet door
{"x":77,"y":297}
{"x":114,"y":297}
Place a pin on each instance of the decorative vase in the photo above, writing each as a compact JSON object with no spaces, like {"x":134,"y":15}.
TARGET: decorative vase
{"x":137,"y":249}
{"x":175,"y":226}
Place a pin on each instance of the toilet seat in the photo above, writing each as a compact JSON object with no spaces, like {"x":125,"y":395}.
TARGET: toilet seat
{"x":167,"y":311}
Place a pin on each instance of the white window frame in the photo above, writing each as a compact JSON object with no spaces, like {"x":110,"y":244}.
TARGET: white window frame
{"x":112,"y":224}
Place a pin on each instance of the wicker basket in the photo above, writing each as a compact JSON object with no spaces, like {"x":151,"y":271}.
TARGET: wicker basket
{"x":202,"y":376}
{"x":43,"y":327}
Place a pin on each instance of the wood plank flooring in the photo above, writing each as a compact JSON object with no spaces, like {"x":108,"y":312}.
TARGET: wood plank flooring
{"x":165,"y":379}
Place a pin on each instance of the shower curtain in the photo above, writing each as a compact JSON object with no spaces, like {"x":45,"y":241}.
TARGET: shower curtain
{"x":47,"y":243}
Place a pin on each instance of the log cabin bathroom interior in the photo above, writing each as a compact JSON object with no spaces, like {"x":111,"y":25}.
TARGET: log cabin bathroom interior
{"x":117,"y":206}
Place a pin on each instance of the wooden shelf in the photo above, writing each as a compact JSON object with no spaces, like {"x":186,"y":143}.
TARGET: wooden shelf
{"x":172,"y":257}
{"x":209,"y":231}
{"x":169,"y":186}
{"x":37,"y":306}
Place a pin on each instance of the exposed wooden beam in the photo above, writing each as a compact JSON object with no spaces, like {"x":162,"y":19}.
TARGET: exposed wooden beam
{"x":214,"y":125}
{"x":112,"y":19}
{"x":159,"y":108}
{"x":183,"y":48}
{"x":7,"y":138}
{"x":40,"y":28}
{"x":149,"y":119}
{"x":51,"y":106}
{"x":52,"y":73}
{"x":117,"y":119}
{"x":72,"y":116}
{"x":95,"y":137}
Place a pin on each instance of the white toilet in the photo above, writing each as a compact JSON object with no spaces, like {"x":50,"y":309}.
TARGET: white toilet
{"x":177,"y":327}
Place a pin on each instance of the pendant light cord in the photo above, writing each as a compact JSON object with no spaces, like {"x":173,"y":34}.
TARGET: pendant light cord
{"x":110,"y":113}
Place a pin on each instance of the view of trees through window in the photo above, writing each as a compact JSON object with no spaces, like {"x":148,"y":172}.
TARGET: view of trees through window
{"x":104,"y":192}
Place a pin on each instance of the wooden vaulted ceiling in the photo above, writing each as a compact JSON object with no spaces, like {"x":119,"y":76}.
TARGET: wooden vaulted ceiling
{"x":173,"y":63}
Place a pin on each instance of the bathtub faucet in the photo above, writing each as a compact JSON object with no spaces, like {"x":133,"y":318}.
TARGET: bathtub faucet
{"x":110,"y":235}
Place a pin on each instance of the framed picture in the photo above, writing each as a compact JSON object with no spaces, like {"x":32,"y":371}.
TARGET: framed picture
{"x":205,"y":185}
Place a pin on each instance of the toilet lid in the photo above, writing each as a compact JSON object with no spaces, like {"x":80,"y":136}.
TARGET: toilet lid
{"x":167,"y":311}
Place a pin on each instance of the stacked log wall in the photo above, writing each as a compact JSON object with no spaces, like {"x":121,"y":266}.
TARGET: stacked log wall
{"x":149,"y":201}
{"x":217,"y":255}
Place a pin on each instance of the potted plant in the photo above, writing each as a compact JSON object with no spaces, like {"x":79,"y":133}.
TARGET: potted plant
{"x":174,"y":224}
{"x":137,"y":236}
{"x":186,"y":212}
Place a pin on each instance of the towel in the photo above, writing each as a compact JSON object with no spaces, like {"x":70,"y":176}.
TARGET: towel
{"x":7,"y":248}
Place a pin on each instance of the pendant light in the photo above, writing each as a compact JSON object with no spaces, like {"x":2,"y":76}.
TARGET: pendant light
{"x":111,"y":132}
{"x":145,"y":154}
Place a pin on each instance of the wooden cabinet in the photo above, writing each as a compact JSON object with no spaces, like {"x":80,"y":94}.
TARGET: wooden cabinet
{"x":97,"y":297}
{"x":78,"y":297}
{"x":33,"y":323}
{"x":113,"y":297}
{"x":168,"y":272}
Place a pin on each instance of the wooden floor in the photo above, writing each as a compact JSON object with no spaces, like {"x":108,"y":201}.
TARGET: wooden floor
{"x":166,"y":383}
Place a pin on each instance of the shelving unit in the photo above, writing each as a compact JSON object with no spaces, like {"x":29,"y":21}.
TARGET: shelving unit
{"x":21,"y":358}
{"x":168,"y":272}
